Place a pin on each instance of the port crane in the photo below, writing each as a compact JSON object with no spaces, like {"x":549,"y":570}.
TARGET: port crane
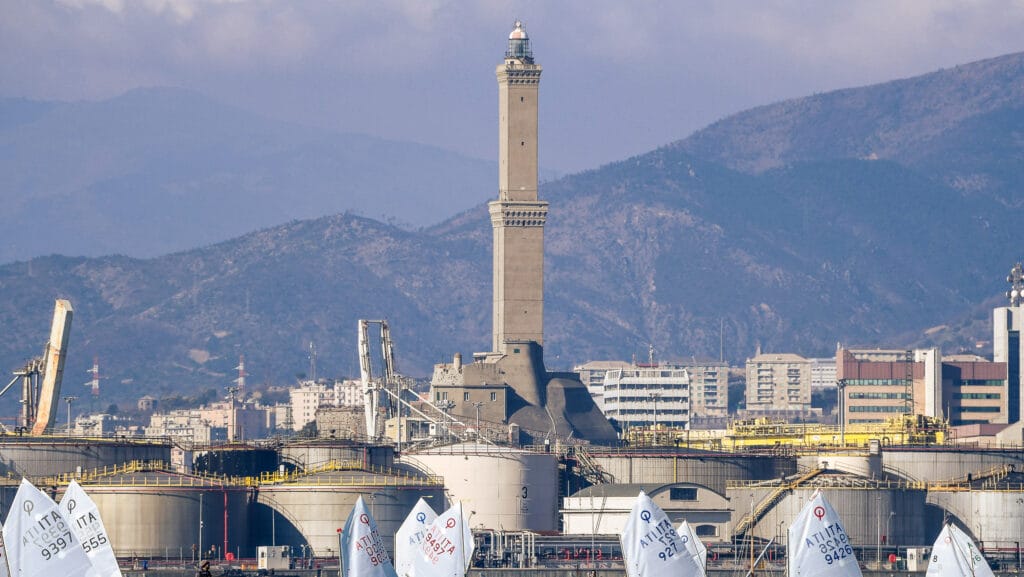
{"x":41,"y":377}
{"x":377,"y":400}
{"x":383,"y":395}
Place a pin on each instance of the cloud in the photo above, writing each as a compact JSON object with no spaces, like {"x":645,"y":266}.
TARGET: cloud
{"x":417,"y":69}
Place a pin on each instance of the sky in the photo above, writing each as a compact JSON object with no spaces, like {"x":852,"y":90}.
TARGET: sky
{"x":620,"y":77}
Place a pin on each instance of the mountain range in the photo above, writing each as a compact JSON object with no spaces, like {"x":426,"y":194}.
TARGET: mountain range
{"x":160,"y":170}
{"x":877,"y":216}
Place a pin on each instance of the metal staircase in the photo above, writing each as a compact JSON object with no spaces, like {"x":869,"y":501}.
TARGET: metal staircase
{"x":749,"y":520}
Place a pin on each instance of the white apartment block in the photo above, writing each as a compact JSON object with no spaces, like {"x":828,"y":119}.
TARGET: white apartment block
{"x":709,"y":388}
{"x":778,"y":382}
{"x":306,"y":399}
{"x":646,"y":395}
{"x":349,"y":393}
{"x":823,"y":373}
{"x":708,"y":384}
{"x":592,"y":375}
{"x":186,"y":426}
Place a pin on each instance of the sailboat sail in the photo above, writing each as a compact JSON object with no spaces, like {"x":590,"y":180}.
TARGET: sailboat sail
{"x":818,"y":543}
{"x":694,"y":546}
{"x":362,"y":549}
{"x":446,"y":548}
{"x":410,"y":535}
{"x":5,"y":570}
{"x":652,"y":547}
{"x":40,"y":543}
{"x":954,"y":554}
{"x":81,"y":513}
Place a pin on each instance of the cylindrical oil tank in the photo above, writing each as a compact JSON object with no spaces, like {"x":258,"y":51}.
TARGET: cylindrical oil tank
{"x":991,"y":512}
{"x":41,"y":457}
{"x":158,"y":515}
{"x":710,"y":469}
{"x":309,"y":454}
{"x":236,"y":461}
{"x":872,"y":513}
{"x":309,"y":510}
{"x":501,"y":487}
{"x":946,"y":463}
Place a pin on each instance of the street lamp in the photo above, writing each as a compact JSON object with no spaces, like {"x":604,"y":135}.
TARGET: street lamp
{"x":68,"y":400}
{"x":888,"y":531}
{"x":477,"y":405}
{"x":654,"y":398}
{"x":878,"y":528}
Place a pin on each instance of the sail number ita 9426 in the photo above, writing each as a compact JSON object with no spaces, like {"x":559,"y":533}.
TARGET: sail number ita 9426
{"x":835,"y":551}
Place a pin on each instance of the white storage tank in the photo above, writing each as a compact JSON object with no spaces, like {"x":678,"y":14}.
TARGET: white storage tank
{"x":502,"y":487}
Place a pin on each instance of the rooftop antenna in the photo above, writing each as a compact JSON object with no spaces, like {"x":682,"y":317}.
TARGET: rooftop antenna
{"x":240,"y":381}
{"x":650,"y":354}
{"x":1016,"y":280}
{"x":94,"y":383}
{"x":312,"y":361}
{"x":721,"y":340}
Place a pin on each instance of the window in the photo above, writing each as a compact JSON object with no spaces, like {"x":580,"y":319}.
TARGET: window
{"x":494,"y":396}
{"x":465,"y":396}
{"x":707,"y":531}
{"x":515,"y":351}
{"x":682,"y":494}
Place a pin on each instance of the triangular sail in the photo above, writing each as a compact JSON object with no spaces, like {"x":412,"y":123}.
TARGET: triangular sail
{"x":81,"y":513}
{"x":818,"y":543}
{"x":652,"y":547}
{"x":954,"y":554}
{"x":362,"y":549}
{"x":40,"y":543}
{"x":694,"y":546}
{"x":410,"y":535}
{"x":446,"y":548}
{"x":5,"y":570}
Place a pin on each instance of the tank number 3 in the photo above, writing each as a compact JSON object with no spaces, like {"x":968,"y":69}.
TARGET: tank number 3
{"x":525,"y":493}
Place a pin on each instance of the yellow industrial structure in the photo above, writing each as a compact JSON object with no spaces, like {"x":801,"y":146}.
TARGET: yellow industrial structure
{"x":764,"y":433}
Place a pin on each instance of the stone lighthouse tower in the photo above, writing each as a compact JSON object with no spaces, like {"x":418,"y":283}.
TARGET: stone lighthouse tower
{"x":508,"y":391}
{"x":518,"y":216}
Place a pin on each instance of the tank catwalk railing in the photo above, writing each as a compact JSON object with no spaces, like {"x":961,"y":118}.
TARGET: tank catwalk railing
{"x":846,"y":482}
{"x":988,"y":480}
{"x":141,"y":474}
{"x":321,"y":475}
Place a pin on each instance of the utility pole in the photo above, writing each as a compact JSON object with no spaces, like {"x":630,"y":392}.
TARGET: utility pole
{"x":68,"y":400}
{"x":654,"y":398}
{"x":478,"y":404}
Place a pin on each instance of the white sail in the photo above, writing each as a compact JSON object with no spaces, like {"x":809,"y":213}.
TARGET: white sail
{"x":81,"y":513}
{"x":818,"y":543}
{"x":954,"y":554}
{"x":5,"y":570}
{"x":40,"y":543}
{"x":410,"y":535}
{"x":446,"y":548}
{"x":362,"y":550}
{"x":652,"y":547}
{"x":694,"y":546}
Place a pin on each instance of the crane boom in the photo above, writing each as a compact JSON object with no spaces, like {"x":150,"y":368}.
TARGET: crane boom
{"x":375,"y":403}
{"x":53,"y":371}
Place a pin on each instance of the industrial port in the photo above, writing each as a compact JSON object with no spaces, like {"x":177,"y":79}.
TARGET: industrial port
{"x":549,"y":489}
{"x":553,"y":506}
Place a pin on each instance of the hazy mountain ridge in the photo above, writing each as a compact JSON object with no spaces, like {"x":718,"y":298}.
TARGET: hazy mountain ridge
{"x":900,"y":120}
{"x":159,"y":170}
{"x":791,"y":246}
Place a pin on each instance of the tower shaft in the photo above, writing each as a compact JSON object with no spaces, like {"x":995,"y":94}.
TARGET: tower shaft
{"x":518,"y":216}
